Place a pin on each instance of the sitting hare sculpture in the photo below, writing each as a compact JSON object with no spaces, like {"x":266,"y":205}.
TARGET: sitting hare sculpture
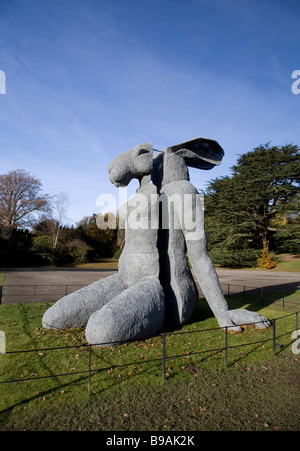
{"x":129,"y":305}
{"x":154,"y":285}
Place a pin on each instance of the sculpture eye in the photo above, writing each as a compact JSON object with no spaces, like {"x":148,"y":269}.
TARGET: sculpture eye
{"x":142,"y":151}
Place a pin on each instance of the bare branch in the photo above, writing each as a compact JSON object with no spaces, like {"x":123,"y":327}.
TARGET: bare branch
{"x":21,"y":200}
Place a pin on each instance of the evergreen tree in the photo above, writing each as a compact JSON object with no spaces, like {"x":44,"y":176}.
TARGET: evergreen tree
{"x":243,"y":211}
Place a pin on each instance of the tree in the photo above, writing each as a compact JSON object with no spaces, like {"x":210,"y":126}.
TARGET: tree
{"x":61,"y":204}
{"x":241,"y":210}
{"x":269,"y":178}
{"x":267,"y":259}
{"x":104,"y":242}
{"x":21,"y":201}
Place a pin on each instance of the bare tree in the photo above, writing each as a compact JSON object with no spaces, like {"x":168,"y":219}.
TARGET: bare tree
{"x":21,"y":201}
{"x":60,"y":207}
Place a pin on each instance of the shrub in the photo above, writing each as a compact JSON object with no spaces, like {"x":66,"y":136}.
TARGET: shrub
{"x":79,"y":251}
{"x":236,"y":258}
{"x":42,"y":244}
{"x":267,"y":258}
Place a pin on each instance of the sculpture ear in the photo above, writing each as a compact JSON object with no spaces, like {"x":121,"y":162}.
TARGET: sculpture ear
{"x":201,"y":153}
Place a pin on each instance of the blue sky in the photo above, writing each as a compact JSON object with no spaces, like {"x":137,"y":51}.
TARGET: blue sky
{"x":88,"y":79}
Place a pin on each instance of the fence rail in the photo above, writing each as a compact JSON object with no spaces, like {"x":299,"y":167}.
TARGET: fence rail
{"x":261,"y":295}
{"x":164,"y":357}
{"x":34,"y":293}
{"x":52,"y":293}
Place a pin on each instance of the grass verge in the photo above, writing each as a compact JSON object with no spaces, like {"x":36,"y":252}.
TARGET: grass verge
{"x":2,"y":278}
{"x":285,"y":262}
{"x":102,"y":263}
{"x":289,"y":265}
{"x":255,"y":392}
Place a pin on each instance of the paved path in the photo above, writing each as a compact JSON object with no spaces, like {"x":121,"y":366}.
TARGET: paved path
{"x":43,"y":284}
{"x":53,"y":276}
{"x":46,"y":284}
{"x":258,"y":279}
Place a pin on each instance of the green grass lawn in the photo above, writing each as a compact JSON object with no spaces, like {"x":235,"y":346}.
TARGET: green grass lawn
{"x":102,"y":263}
{"x":288,"y":265}
{"x":2,"y":278}
{"x":197,"y":394}
{"x":285,"y":262}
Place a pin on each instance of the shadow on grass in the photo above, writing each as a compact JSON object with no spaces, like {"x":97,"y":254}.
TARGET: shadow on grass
{"x":285,"y":296}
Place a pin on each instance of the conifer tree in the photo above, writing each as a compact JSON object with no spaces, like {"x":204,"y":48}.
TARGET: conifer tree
{"x":242,"y":211}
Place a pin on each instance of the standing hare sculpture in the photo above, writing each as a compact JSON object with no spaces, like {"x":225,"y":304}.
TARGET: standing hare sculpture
{"x":154,"y":285}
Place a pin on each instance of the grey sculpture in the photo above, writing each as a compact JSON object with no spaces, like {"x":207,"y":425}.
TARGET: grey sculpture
{"x":129,"y":305}
{"x":170,"y":175}
{"x":154,"y":285}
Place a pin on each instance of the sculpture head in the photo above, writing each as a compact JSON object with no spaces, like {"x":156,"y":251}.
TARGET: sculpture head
{"x":170,"y":165}
{"x":133,"y":163}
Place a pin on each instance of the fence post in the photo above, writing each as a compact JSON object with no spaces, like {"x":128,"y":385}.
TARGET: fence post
{"x":90,"y":361}
{"x":274,"y":337}
{"x":226,"y":345}
{"x":164,"y":357}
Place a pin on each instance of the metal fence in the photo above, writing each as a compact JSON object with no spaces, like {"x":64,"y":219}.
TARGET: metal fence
{"x":262,"y":296}
{"x":164,"y":356}
{"x":35,"y":293}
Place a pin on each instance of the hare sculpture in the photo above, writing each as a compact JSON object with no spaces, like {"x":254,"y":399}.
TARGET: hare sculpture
{"x":154,"y":286}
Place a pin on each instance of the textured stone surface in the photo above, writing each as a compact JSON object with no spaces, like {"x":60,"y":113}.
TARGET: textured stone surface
{"x":135,"y":314}
{"x":75,"y":309}
{"x":139,"y":260}
{"x":131,"y":304}
{"x":244,"y":317}
{"x":185,"y":232}
{"x":181,"y":293}
{"x":200,"y":153}
{"x":171,"y":176}
{"x":134,"y":163}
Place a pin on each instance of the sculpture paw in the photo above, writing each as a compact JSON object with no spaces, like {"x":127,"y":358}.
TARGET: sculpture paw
{"x":244,"y":317}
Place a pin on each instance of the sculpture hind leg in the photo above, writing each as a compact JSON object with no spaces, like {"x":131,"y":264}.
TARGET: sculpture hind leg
{"x":75,"y":309}
{"x":135,"y":314}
